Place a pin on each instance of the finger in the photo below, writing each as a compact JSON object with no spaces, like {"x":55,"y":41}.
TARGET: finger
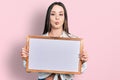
{"x":84,"y":58}
{"x":84,"y":55}
{"x":24,"y":50}
{"x":24,"y":55}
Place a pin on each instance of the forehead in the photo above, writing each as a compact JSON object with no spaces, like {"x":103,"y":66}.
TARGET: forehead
{"x":57,"y":8}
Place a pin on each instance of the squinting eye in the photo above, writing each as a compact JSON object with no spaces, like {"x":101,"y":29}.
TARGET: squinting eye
{"x":61,"y":14}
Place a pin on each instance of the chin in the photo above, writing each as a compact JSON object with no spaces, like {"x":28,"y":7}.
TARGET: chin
{"x":57,"y":27}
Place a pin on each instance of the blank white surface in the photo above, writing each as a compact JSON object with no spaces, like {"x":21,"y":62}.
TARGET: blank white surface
{"x":49,"y":54}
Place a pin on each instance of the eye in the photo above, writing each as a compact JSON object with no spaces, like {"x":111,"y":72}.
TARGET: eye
{"x":61,"y":14}
{"x":52,"y":14}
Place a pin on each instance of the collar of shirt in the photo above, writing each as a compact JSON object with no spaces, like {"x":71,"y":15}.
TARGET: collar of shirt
{"x":64,"y":34}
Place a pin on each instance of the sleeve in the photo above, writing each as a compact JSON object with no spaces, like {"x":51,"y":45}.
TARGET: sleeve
{"x":24,"y":63}
{"x":84,"y":67}
{"x":67,"y":76}
{"x":41,"y":75}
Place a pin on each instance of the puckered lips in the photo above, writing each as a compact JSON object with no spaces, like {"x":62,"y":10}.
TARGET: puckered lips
{"x":56,"y":23}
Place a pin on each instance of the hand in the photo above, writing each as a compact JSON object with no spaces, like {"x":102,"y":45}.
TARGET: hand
{"x":84,"y":56}
{"x":24,"y":53}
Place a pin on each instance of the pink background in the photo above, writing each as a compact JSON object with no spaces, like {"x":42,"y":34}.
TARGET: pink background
{"x":97,"y":21}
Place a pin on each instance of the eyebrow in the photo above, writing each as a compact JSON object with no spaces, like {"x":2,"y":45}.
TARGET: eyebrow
{"x":59,"y":12}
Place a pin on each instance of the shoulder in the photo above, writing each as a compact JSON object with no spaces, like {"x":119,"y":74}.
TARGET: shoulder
{"x":73,"y":36}
{"x":46,"y":34}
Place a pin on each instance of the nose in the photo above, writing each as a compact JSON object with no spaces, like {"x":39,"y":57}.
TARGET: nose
{"x":57,"y":17}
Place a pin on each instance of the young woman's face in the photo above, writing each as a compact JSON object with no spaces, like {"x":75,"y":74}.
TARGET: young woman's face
{"x":57,"y":17}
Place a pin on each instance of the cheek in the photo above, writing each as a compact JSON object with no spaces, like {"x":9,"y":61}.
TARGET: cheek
{"x":51,"y":18}
{"x":62,"y":20}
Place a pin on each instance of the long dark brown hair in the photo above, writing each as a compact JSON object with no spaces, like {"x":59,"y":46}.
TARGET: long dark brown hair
{"x":47,"y":27}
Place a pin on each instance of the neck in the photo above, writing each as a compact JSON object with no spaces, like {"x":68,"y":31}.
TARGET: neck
{"x":55,"y":32}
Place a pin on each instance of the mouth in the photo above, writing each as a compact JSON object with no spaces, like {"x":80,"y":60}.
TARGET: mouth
{"x":56,"y":23}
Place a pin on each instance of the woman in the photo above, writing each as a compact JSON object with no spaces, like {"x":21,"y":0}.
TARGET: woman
{"x":56,"y":25}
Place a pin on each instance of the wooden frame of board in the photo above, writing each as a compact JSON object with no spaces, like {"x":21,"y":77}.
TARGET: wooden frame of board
{"x":54,"y":54}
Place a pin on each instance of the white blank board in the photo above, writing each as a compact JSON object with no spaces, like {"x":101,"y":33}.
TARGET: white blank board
{"x":55,"y":55}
